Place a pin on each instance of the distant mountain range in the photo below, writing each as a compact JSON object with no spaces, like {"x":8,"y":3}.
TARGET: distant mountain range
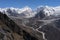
{"x":27,"y":12}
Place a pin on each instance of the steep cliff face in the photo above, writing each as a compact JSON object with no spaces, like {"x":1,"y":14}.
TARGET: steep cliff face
{"x":9,"y":30}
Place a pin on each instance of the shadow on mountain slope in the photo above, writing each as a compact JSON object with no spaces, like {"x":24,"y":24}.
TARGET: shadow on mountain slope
{"x":9,"y":30}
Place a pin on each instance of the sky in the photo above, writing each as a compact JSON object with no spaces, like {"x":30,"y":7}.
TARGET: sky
{"x":31,"y":3}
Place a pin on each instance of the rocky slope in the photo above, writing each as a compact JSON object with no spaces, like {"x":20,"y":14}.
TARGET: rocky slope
{"x":9,"y":30}
{"x":42,"y":29}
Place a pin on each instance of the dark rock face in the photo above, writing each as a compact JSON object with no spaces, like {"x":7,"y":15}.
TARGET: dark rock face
{"x":12,"y":13}
{"x":9,"y":30}
{"x":27,"y":36}
{"x":40,"y":15}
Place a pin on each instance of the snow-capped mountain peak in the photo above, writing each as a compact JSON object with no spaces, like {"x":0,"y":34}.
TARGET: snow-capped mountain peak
{"x":24,"y":9}
{"x":46,"y":10}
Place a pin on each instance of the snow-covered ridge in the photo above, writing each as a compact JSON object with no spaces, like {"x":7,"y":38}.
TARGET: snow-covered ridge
{"x":23,"y":12}
{"x":16,"y":9}
{"x":49,"y":10}
{"x":27,"y":12}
